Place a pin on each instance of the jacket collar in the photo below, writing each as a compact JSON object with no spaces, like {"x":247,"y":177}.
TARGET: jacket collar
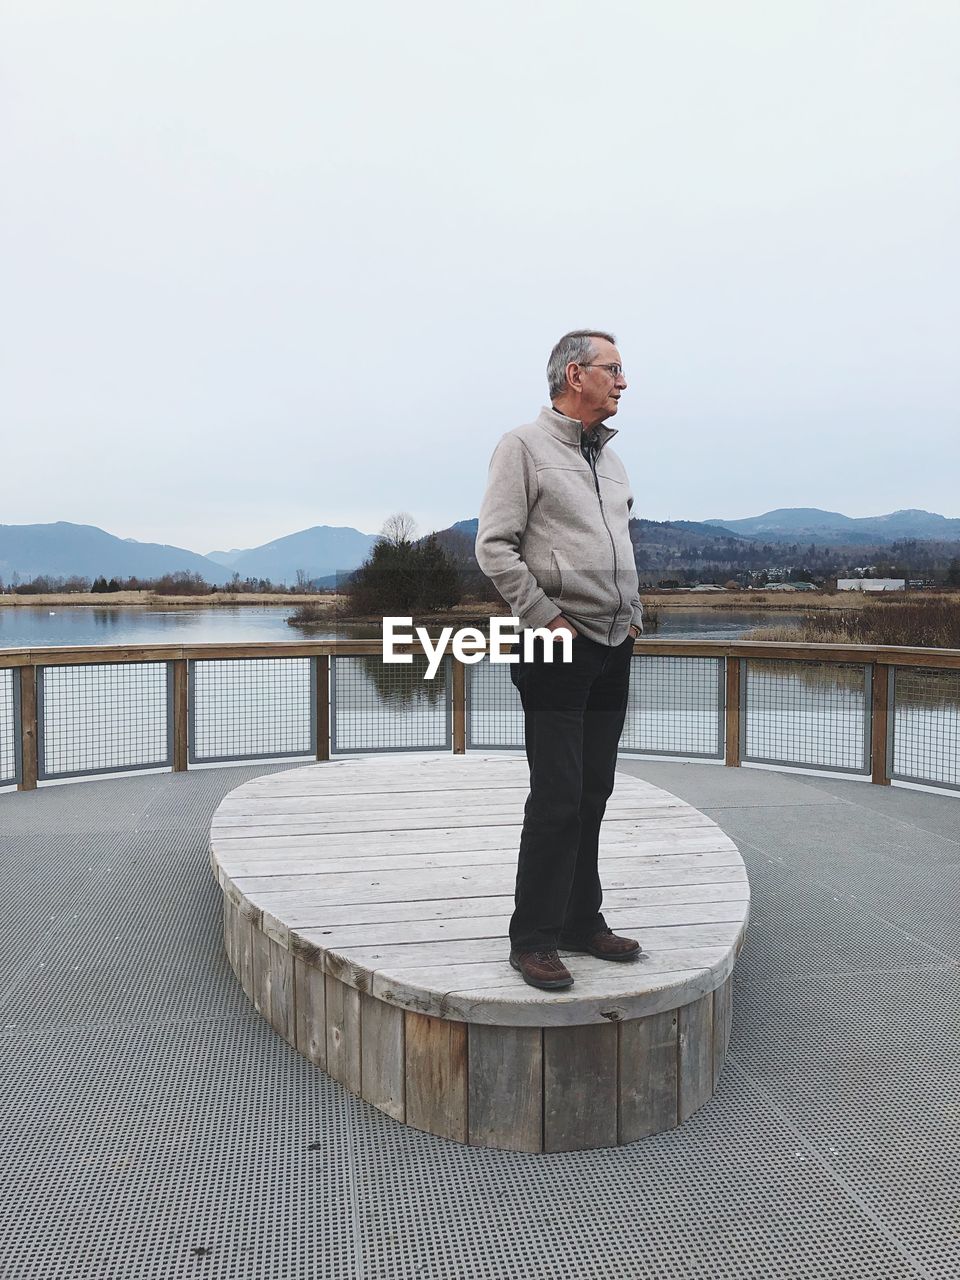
{"x":569,"y":430}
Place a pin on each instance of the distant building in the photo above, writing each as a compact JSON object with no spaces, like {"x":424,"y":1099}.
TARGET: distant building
{"x":871,"y":584}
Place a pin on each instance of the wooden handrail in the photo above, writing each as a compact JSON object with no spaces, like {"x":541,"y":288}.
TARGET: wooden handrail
{"x":887,"y":655}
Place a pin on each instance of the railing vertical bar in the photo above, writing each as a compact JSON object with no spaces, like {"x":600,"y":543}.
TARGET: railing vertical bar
{"x":891,"y":720}
{"x":876,"y":677}
{"x":323,"y":706}
{"x":28,"y":730}
{"x":734,"y":711}
{"x":181,"y":714}
{"x":41,"y":702}
{"x":17,"y":736}
{"x":192,"y":711}
{"x":459,"y":694}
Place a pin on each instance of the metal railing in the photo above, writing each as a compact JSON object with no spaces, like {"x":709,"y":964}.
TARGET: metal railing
{"x":878,"y":712}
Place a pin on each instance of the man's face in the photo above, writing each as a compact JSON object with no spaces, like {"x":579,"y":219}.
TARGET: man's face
{"x":601,"y":387}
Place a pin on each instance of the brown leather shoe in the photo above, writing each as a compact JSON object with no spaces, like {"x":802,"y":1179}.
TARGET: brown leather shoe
{"x":542,"y":969}
{"x":604,"y":944}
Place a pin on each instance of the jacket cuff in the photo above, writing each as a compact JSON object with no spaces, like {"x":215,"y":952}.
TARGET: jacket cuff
{"x":541,"y":613}
{"x":637,"y":619}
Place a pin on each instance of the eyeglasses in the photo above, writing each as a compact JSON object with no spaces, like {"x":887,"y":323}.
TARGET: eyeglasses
{"x":614,"y":370}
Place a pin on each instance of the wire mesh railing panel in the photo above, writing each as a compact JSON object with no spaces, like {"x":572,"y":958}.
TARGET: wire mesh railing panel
{"x":924,"y":726}
{"x":8,"y":727}
{"x":809,"y":714}
{"x":494,"y":713}
{"x":381,"y":706}
{"x":252,"y":708}
{"x":103,"y":718}
{"x":675,"y":707}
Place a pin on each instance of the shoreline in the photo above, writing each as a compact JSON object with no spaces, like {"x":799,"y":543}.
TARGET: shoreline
{"x":680,"y":602}
{"x":150,"y":600}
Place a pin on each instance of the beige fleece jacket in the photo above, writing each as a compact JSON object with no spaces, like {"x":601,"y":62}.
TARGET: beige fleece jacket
{"x":553,"y":537}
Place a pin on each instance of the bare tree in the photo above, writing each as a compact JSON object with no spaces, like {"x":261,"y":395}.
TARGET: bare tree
{"x":303,"y":580}
{"x":399,"y":528}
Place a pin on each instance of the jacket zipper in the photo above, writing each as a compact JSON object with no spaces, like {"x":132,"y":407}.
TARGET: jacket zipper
{"x":592,"y":463}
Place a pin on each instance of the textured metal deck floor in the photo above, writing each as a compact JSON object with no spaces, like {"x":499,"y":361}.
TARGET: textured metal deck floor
{"x":154,"y":1126}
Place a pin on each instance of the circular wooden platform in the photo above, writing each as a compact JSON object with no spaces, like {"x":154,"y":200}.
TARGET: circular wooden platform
{"x":366,"y":904}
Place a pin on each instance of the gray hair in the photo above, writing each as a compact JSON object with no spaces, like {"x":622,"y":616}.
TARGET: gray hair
{"x":575,"y":347}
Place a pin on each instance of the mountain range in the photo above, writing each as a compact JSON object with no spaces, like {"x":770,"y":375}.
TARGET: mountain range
{"x":809,"y":524}
{"x":62,"y":549}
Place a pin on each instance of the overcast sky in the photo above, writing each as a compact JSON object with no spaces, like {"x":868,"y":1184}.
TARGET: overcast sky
{"x":271,"y":265}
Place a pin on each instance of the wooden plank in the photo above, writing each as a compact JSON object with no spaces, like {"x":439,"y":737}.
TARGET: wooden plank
{"x":180,"y":714}
{"x":287,"y":798}
{"x":480,"y":881}
{"x":315,"y":817}
{"x":436,"y":1075}
{"x":732,"y":714}
{"x":880,"y":686}
{"x":722,"y":1026}
{"x":505,"y":1106}
{"x":302,"y":910}
{"x":441,"y":953}
{"x":695,"y":1056}
{"x":579,"y":1087}
{"x":683,"y":856}
{"x":311,"y":1011}
{"x":630,"y":920}
{"x":231,"y":935}
{"x":401,"y":782}
{"x":450,"y":839}
{"x":245,"y":954}
{"x":233,"y":854}
{"x":648,"y":1075}
{"x":29,"y":737}
{"x":382,"y":1059}
{"x":262,"y":974}
{"x":459,"y":695}
{"x":316,"y":839}
{"x":343,"y":1033}
{"x":323,"y":707}
{"x":681,"y":852}
{"x":469,"y":781}
{"x":282,"y":1008}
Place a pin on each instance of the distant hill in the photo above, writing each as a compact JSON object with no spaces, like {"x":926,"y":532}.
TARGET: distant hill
{"x":811,"y":525}
{"x":679,"y":533}
{"x":63,"y":549}
{"x":225,"y":557}
{"x":321,"y":552}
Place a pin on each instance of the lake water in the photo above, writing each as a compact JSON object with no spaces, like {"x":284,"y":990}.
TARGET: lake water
{"x":25,"y":627}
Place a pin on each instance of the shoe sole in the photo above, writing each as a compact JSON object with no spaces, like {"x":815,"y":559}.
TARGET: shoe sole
{"x":549,"y":984}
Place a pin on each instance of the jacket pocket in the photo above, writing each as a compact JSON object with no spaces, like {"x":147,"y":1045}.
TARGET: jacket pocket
{"x":585,"y":593}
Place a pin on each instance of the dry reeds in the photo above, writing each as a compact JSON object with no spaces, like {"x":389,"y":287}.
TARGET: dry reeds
{"x":933,"y":622}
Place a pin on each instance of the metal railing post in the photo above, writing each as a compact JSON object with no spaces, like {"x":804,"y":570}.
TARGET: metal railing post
{"x":878,"y":726}
{"x":732,"y":751}
{"x":28,"y":730}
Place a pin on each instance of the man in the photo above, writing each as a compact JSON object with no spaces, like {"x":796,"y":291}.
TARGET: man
{"x":554,"y":539}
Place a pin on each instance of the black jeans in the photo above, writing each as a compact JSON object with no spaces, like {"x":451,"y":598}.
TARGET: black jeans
{"x":573,"y":717}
